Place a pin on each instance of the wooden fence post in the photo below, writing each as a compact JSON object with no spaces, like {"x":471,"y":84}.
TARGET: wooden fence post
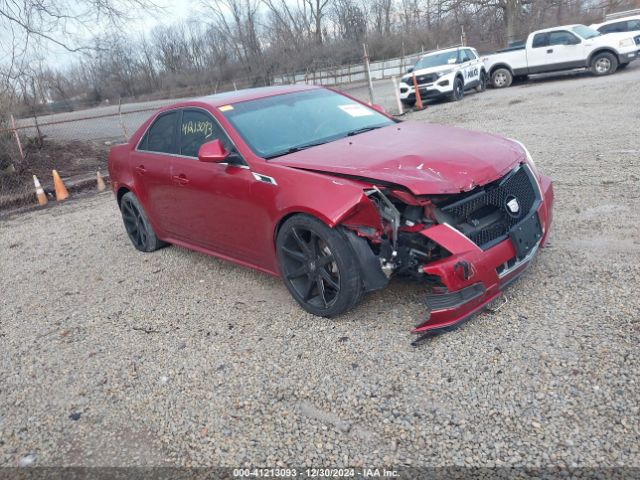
{"x":368,"y":74}
{"x":15,"y":132}
{"x":124,"y":128}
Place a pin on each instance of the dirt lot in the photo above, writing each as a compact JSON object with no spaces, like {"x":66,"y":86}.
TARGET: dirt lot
{"x":113,"y":357}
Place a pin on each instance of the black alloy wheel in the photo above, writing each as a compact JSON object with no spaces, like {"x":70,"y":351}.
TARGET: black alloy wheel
{"x":318,"y":266}
{"x":137,"y":224}
{"x":458,"y":89}
{"x":483,"y":82}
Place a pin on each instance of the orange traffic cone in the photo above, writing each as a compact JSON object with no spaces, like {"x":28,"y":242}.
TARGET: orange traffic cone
{"x":42,"y":197}
{"x":101,"y":185}
{"x":419,"y":105}
{"x":61,"y":190}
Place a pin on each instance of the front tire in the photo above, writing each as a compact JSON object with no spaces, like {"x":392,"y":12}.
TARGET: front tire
{"x":483,"y":82}
{"x":137,"y":224}
{"x":604,"y":63}
{"x":501,"y":78}
{"x":458,"y":90}
{"x":318,"y":266}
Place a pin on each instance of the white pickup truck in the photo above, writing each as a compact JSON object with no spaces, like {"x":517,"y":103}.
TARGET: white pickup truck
{"x":561,"y":48}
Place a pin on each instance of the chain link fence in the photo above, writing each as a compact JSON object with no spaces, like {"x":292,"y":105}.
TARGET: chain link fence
{"x":75,"y":144}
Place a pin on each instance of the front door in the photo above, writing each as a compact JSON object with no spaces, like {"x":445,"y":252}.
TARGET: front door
{"x":213,"y":199}
{"x":555,"y":50}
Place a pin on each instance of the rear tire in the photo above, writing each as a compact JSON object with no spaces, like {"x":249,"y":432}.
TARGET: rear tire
{"x":501,"y":78}
{"x":604,"y":63}
{"x":458,"y":90}
{"x":408,"y":103}
{"x":137,"y":225}
{"x":318,"y":266}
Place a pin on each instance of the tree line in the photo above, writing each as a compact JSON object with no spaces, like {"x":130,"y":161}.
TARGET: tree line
{"x":247,"y":42}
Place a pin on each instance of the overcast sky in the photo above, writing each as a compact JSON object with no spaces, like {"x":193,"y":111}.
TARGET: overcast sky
{"x":171,"y":11}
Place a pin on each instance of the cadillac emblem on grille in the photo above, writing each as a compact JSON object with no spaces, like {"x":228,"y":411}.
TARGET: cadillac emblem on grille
{"x":513,"y":207}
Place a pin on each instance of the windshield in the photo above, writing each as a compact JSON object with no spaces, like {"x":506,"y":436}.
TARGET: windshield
{"x":437,"y":60}
{"x":281,"y":124}
{"x":585,"y":32}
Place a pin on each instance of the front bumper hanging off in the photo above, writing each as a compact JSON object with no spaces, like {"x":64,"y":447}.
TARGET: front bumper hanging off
{"x":470,"y":277}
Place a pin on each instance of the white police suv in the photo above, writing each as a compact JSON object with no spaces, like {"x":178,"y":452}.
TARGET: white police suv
{"x":443,"y":73}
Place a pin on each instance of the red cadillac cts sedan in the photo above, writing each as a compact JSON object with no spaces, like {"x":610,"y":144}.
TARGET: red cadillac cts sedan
{"x":335,"y":197}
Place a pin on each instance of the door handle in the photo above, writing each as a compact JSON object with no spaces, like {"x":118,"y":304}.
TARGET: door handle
{"x":141,"y":170}
{"x":550,"y":50}
{"x":180,"y":179}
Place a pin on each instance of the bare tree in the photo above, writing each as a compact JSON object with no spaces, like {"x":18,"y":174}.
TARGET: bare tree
{"x":317,"y":10}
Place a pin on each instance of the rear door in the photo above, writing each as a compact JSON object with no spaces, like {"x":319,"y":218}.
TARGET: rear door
{"x":471,"y":67}
{"x":150,"y":162}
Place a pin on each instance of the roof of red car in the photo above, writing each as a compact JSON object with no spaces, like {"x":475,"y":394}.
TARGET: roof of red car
{"x":236,"y":96}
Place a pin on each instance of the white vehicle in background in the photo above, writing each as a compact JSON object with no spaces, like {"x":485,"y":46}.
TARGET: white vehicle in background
{"x":630,"y":25}
{"x":555,"y":49}
{"x":444,"y":73}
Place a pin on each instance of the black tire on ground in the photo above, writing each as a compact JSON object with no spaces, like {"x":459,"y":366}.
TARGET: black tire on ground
{"x":137,"y":224}
{"x":318,"y":266}
{"x":604,"y":63}
{"x":408,"y":103}
{"x":622,"y":66}
{"x":501,"y":78}
{"x":483,"y":82}
{"x":458,"y":90}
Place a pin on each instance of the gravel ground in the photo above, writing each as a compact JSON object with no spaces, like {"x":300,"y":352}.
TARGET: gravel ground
{"x":113,"y":357}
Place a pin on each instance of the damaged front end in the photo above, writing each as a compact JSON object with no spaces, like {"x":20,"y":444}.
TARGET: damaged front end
{"x":464,"y":247}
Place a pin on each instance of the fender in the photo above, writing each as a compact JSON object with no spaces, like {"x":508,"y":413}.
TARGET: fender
{"x":500,"y":65}
{"x":602,"y":50}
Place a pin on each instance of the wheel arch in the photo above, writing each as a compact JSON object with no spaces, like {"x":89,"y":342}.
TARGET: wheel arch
{"x":600,"y":50}
{"x":372,"y":276}
{"x":500,"y":65}
{"x":299,"y":211}
{"x":122,"y":191}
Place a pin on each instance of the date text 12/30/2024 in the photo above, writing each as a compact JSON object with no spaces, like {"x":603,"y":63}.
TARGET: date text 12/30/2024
{"x":314,"y":473}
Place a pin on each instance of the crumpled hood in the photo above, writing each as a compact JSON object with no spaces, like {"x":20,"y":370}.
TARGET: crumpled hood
{"x":425,"y":158}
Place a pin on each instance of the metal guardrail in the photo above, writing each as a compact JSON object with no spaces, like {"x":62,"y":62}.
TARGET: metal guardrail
{"x":626,"y":13}
{"x":352,"y":73}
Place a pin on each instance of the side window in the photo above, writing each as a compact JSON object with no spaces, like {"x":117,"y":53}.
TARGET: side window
{"x":466,"y":57}
{"x":161,"y":136}
{"x":614,"y":27}
{"x":472,"y":54}
{"x":562,"y":37}
{"x":540,"y":40}
{"x":198,"y":127}
{"x":633,"y":25}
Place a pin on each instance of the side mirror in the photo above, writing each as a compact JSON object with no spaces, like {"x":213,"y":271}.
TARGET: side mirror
{"x":379,"y":108}
{"x":410,"y":69}
{"x":212,"y":152}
